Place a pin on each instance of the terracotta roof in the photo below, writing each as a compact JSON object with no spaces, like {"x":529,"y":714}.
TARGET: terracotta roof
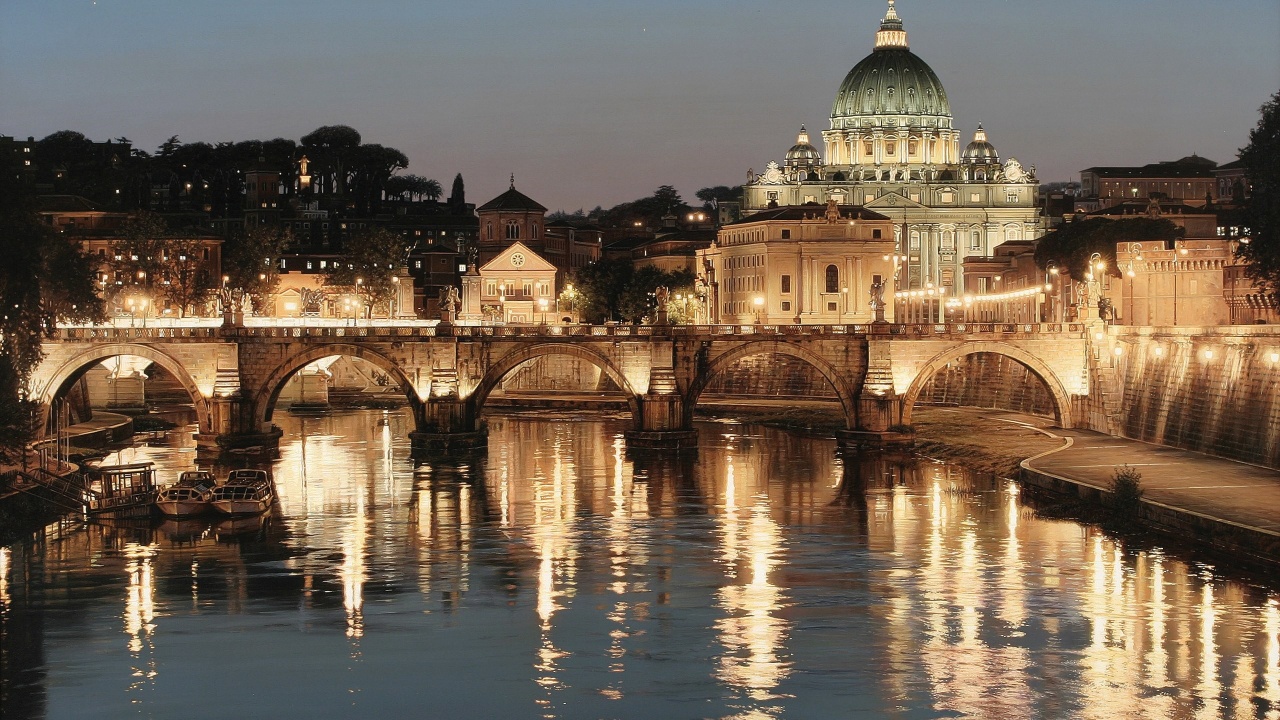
{"x":512,"y":199}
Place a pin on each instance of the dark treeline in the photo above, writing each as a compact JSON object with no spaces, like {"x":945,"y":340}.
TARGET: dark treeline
{"x":209,"y":177}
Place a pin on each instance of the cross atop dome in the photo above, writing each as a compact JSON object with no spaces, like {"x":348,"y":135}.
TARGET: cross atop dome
{"x":891,"y":34}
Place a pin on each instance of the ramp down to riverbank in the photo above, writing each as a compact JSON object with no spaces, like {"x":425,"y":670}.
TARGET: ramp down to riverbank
{"x":1230,"y":506}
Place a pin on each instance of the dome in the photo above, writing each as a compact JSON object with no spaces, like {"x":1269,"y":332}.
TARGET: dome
{"x":802,"y":153}
{"x":892,"y":80}
{"x":980,"y":151}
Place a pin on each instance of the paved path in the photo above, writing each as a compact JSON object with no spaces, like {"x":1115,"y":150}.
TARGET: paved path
{"x":1226,"y":490}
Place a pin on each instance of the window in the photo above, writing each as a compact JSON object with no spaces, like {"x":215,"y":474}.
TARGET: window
{"x":491,"y":288}
{"x":868,"y":199}
{"x":786,"y":234}
{"x":1011,"y":196}
{"x":831,"y":307}
{"x":488,"y":231}
{"x":309,"y":265}
{"x":786,"y":305}
{"x":875,"y":234}
{"x":975,"y":241}
{"x":323,"y":263}
{"x":891,"y":148}
{"x":948,"y":197}
{"x":786,"y":283}
{"x":867,"y":148}
{"x":417,"y":264}
{"x":513,"y":230}
{"x":833,"y":279}
{"x":528,"y":288}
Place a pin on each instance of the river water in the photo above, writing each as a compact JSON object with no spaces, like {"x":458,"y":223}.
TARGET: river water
{"x":556,"y":577}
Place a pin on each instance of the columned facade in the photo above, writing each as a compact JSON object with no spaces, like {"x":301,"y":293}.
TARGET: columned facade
{"x":892,"y":149}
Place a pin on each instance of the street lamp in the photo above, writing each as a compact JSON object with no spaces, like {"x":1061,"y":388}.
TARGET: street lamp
{"x":542,"y":308}
{"x":759,"y":303}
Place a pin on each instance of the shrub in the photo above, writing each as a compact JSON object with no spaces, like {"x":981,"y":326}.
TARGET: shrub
{"x":1126,"y":497}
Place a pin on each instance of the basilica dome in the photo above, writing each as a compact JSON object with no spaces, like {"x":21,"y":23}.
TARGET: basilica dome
{"x":980,"y":150}
{"x":891,"y":81}
{"x":803,"y":154}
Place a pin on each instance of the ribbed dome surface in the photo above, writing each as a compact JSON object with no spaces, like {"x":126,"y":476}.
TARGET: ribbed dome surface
{"x":980,"y":151}
{"x":803,"y":154}
{"x":890,"y":81}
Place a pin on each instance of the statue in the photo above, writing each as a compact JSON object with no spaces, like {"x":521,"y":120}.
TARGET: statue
{"x":833,"y":211}
{"x":1106,"y":312}
{"x":661,"y":295}
{"x":877,"y":294}
{"x":448,"y":302}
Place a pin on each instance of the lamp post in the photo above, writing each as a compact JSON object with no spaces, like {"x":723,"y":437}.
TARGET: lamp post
{"x":759,"y":303}
{"x":542,"y":310}
{"x":1051,"y":277}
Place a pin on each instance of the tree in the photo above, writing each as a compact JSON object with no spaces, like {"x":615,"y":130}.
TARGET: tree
{"x":711,"y":197}
{"x":600,"y":285}
{"x":139,"y":260}
{"x":1070,"y":246}
{"x":45,"y":279}
{"x":1261,"y":159}
{"x":458,"y":194}
{"x":616,"y":290}
{"x":253,"y":264}
{"x":639,"y":298}
{"x":366,"y":269}
{"x":186,"y":282}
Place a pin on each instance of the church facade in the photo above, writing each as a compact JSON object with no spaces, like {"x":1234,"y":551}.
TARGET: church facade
{"x":892,"y":149}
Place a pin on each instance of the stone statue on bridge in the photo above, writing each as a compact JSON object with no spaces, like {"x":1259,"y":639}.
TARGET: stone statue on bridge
{"x":877,"y":300}
{"x":448,"y":303}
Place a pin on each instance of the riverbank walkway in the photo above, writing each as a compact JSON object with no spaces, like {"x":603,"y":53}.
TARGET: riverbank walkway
{"x":1225,"y":490}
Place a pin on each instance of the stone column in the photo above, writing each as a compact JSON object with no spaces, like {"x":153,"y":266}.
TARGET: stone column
{"x":446,"y":421}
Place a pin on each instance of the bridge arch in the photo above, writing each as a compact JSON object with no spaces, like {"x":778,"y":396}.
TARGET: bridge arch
{"x":846,"y":394}
{"x":497,"y":371}
{"x":264,"y":399}
{"x":1061,"y":400}
{"x":72,"y":369}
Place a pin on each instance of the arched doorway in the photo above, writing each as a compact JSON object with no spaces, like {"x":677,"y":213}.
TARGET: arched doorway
{"x":844,"y":392}
{"x":1053,"y":389}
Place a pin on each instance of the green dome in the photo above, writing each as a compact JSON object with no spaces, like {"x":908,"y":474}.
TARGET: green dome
{"x":890,"y":81}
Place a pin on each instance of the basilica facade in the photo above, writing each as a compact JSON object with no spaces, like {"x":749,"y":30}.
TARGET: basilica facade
{"x":892,"y":149}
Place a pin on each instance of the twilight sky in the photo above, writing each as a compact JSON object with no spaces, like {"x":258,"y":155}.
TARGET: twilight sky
{"x":593,"y":102}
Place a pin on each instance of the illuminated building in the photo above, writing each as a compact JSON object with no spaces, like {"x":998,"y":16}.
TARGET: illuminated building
{"x":892,"y":149}
{"x":804,"y":264}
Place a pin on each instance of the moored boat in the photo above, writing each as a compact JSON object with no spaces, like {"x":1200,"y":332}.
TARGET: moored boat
{"x":122,"y":491}
{"x":191,"y":495}
{"x":246,"y":492}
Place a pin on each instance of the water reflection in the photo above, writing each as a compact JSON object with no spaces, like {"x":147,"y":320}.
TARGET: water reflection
{"x":765,"y":577}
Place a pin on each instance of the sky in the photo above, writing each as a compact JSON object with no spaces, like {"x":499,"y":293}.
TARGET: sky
{"x":595,"y":102}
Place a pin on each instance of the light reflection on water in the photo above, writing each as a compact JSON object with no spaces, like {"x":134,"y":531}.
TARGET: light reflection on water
{"x":556,"y":576}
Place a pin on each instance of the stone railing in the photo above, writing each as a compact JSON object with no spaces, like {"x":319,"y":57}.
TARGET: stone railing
{"x":205,"y":332}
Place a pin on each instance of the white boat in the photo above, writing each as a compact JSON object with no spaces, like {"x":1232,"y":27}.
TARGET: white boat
{"x":122,"y":491}
{"x":246,"y":492}
{"x":191,"y":495}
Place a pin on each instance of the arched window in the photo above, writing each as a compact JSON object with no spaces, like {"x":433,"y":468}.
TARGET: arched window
{"x":833,"y":279}
{"x":513,"y":230}
{"x":488,"y":231}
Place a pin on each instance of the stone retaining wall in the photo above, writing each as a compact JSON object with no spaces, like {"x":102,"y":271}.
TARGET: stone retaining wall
{"x":1215,"y":390}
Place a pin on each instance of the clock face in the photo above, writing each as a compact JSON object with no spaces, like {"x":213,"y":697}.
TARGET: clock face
{"x":517,"y":259}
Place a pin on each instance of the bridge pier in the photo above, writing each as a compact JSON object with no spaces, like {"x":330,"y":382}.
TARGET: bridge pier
{"x":662,"y":425}
{"x":231,"y":427}
{"x":447,"y":423}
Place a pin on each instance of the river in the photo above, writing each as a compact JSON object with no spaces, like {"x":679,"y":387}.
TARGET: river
{"x":555,"y":576}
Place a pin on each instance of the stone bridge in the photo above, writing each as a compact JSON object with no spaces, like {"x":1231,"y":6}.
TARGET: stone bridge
{"x":235,"y":373}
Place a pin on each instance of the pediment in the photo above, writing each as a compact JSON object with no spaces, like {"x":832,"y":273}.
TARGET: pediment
{"x":529,"y":261}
